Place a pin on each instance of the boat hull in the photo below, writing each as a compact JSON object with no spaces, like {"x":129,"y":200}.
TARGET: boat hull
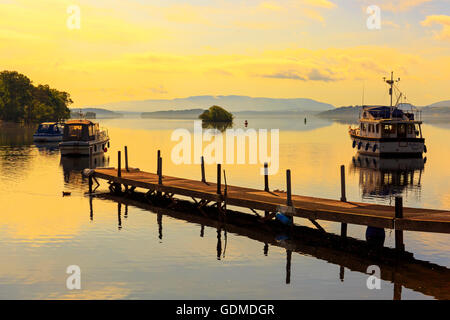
{"x":47,"y":137}
{"x":82,"y":148}
{"x":389,"y":147}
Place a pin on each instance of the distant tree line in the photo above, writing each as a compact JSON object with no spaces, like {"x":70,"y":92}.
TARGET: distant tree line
{"x":21,"y":101}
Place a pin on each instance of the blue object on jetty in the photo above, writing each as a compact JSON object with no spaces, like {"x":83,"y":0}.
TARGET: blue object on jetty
{"x":375,"y":236}
{"x":283,"y":219}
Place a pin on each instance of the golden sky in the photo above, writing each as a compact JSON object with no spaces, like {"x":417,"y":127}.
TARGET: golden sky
{"x":154,"y":49}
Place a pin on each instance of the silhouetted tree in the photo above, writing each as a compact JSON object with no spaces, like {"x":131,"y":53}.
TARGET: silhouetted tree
{"x":216,"y":114}
{"x":20,"y":100}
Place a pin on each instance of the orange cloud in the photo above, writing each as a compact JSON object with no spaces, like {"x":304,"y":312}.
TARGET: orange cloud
{"x":401,"y":5}
{"x":442,"y":20}
{"x":320,"y":3}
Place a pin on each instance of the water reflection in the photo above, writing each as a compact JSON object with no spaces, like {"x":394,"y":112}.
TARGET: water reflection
{"x":13,"y":134}
{"x":403,"y":270}
{"x":72,"y":166}
{"x":47,"y":146}
{"x":221,"y":126}
{"x":388,"y":177}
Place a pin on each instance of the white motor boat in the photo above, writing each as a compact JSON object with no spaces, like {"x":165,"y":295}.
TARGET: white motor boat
{"x":83,"y":137}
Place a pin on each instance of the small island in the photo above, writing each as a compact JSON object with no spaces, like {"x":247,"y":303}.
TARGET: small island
{"x":216,"y":114}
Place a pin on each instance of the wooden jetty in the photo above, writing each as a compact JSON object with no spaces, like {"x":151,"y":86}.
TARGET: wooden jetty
{"x":220,"y":195}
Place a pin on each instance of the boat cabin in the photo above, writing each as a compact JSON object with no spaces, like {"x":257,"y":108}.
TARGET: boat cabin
{"x":80,"y":130}
{"x":387,"y":122}
{"x":49,"y":128}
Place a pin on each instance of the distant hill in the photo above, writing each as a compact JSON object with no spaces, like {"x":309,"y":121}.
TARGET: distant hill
{"x":100,"y":112}
{"x":174,"y":114}
{"x":434,"y":111}
{"x":445,"y":103}
{"x":342,"y":113}
{"x":232,"y":103}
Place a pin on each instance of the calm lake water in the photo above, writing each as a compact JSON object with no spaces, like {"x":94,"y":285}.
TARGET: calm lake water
{"x":146,"y":256}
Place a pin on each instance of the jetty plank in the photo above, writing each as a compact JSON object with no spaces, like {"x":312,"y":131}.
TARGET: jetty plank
{"x":382,"y":216}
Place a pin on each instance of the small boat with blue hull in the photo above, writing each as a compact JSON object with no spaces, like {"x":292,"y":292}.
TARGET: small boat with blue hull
{"x":49,"y":132}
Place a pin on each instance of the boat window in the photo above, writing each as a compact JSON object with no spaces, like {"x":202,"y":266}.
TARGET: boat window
{"x":91,"y":130}
{"x":389,"y":128}
{"x":417,"y":127}
{"x":363,"y":127}
{"x":43,"y":128}
{"x":371,"y":129}
{"x":410,"y":128}
{"x":402,"y":130}
{"x":377,"y":128}
{"x":75,"y":132}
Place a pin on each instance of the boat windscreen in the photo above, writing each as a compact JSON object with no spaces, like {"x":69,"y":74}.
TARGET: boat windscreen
{"x":73,"y":132}
{"x":385,"y":112}
{"x":48,"y":128}
{"x":43,"y":128}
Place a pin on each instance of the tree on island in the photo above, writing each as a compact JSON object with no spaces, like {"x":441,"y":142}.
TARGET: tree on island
{"x":21,"y":101}
{"x":216,"y":114}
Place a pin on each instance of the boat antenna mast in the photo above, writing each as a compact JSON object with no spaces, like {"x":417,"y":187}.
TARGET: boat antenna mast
{"x":391,"y":83}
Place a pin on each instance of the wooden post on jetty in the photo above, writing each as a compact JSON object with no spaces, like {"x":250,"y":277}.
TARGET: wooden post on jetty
{"x":266,"y":184}
{"x":119,"y":164}
{"x":399,"y":245}
{"x":157,"y":162}
{"x":288,"y":188}
{"x":219,"y":178}
{"x":266,"y":177}
{"x":203,"y":169}
{"x":160,"y":170}
{"x":126,"y":158}
{"x":344,"y":199}
{"x":289,"y":192}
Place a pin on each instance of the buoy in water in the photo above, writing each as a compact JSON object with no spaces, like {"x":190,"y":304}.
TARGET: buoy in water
{"x":246,"y":123}
{"x":283,"y":219}
{"x":375,"y":236}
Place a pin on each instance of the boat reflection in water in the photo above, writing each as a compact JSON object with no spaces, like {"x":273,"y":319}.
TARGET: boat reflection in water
{"x":47,"y":146}
{"x":72,"y":166}
{"x":385,"y":178}
{"x":388,"y":177}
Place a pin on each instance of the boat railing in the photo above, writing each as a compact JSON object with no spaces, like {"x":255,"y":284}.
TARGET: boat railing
{"x":102,"y":134}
